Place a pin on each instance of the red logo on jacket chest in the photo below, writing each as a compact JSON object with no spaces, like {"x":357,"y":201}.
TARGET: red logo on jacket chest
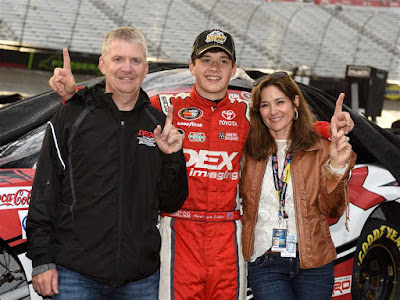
{"x":145,"y":133}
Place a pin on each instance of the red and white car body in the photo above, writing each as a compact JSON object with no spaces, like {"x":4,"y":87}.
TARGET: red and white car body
{"x":15,"y":193}
{"x":370,"y":188}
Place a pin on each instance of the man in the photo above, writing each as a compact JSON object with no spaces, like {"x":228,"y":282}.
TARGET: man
{"x":201,"y":255}
{"x":102,"y":176}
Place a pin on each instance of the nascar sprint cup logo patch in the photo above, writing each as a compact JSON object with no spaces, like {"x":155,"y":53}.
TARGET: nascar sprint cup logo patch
{"x":191,"y":113}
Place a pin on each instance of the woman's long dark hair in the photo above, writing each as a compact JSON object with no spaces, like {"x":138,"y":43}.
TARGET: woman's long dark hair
{"x":260,"y":144}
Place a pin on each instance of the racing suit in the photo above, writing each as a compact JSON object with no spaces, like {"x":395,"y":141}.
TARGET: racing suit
{"x":201,"y":253}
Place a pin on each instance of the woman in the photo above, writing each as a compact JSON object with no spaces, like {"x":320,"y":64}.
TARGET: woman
{"x":286,"y":235}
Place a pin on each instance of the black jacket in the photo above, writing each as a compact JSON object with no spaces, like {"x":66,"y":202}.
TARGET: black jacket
{"x":99,"y":185}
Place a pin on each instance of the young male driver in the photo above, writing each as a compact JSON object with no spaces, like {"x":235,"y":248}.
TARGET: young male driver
{"x":201,"y":255}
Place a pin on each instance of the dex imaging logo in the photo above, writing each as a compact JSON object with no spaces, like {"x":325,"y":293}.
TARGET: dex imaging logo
{"x":146,"y":138}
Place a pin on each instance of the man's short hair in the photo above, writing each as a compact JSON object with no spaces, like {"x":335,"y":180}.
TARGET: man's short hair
{"x":125,"y":33}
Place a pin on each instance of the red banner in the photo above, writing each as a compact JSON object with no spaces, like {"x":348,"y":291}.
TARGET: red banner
{"x":360,"y":2}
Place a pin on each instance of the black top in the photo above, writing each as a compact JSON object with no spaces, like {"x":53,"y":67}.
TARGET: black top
{"x":100,"y":183}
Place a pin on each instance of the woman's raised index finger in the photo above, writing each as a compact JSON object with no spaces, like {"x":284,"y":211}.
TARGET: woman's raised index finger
{"x":339,"y":104}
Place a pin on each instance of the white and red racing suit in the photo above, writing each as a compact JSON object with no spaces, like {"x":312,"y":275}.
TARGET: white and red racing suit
{"x":201,"y":250}
{"x":201,"y":253}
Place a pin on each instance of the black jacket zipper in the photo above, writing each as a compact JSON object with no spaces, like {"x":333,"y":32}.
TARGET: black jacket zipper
{"x":119,"y":201}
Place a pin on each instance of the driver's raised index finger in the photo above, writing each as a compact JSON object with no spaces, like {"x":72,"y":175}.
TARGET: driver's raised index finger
{"x":170,"y":115}
{"x":67,"y":60}
{"x":339,"y":104}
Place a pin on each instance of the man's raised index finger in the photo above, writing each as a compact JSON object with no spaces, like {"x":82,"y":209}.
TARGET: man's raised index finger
{"x":170,"y":115}
{"x":339,"y":103}
{"x":67,"y":60}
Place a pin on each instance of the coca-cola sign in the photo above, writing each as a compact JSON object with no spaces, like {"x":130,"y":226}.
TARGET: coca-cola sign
{"x":15,"y":197}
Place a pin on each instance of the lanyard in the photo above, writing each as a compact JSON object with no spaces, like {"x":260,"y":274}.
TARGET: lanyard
{"x":281,"y":183}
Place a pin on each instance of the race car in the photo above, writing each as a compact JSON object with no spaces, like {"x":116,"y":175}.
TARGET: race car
{"x":368,"y":261}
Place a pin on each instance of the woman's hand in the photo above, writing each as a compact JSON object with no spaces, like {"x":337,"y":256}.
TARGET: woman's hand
{"x":340,"y":149}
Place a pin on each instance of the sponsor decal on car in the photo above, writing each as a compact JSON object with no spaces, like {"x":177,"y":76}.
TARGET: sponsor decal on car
{"x":23,"y":215}
{"x":392,"y":92}
{"x":15,"y":197}
{"x":190,"y":113}
{"x":146,"y":138}
{"x":197,"y":136}
{"x":342,"y":286}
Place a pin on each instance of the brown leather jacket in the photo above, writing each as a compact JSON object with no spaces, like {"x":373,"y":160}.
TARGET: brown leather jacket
{"x":318,"y":193}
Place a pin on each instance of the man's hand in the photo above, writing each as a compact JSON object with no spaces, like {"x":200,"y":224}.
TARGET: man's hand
{"x":341,"y":120}
{"x":169,"y":140}
{"x":63,"y":81}
{"x":46,"y":283}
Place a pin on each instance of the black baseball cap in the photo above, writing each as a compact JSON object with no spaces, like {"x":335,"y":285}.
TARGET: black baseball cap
{"x":212,"y":39}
